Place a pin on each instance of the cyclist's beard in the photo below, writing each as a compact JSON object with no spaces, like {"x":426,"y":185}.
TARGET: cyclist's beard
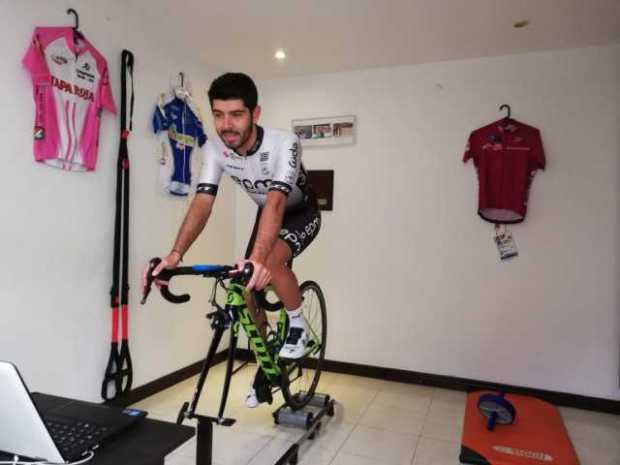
{"x":243,"y":137}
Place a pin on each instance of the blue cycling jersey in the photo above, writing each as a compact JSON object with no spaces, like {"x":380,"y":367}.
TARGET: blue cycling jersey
{"x":184,"y":130}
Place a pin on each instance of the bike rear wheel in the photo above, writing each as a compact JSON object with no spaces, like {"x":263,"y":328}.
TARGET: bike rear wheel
{"x":300,"y":378}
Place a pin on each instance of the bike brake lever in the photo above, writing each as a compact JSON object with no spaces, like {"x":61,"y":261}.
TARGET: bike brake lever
{"x":149,"y":278}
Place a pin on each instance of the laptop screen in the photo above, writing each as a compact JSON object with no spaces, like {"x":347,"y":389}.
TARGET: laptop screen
{"x":23,"y":431}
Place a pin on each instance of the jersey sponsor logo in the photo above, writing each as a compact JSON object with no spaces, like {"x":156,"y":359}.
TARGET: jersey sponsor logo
{"x":291,"y":238}
{"x":73,"y":89}
{"x":231,"y":154}
{"x":181,"y":139}
{"x":302,"y":178}
{"x":59,"y":60}
{"x":495,"y":147}
{"x":39,"y":133}
{"x":311,"y":228}
{"x":294,"y":155}
{"x":81,"y":74}
{"x":234,"y":167}
{"x":264,"y":167}
{"x":300,"y":237}
{"x":512,"y":147}
{"x":250,"y":186}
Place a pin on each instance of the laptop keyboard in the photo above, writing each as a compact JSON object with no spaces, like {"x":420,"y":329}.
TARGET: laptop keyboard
{"x":73,"y":438}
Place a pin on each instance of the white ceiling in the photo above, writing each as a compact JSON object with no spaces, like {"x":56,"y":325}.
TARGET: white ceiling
{"x":322,"y":36}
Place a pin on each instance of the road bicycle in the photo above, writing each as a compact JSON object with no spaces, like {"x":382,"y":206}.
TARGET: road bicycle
{"x":296,"y":379}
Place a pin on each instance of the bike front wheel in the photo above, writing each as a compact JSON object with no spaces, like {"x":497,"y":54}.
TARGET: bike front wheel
{"x":300,"y":378}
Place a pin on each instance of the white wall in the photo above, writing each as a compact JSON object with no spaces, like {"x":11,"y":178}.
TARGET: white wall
{"x":411,"y":274}
{"x":57,"y":227}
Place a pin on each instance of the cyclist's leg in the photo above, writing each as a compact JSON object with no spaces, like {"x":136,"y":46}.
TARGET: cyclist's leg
{"x":298,"y":230}
{"x":258,"y":316}
{"x":283,"y":279}
{"x":284,"y":284}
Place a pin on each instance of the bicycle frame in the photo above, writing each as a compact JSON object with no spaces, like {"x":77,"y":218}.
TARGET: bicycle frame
{"x":259,"y":346}
{"x":234,"y":314}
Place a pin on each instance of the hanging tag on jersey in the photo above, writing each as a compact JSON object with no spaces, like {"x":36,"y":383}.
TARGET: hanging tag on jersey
{"x":165,"y":162}
{"x":505,"y":242}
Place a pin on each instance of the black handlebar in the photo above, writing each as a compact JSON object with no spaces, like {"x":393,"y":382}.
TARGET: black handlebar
{"x":209,"y":271}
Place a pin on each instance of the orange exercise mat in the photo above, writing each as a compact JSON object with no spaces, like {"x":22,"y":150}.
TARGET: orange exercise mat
{"x":537,"y":436}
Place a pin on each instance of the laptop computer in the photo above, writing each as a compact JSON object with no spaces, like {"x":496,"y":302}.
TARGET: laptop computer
{"x":59,"y":432}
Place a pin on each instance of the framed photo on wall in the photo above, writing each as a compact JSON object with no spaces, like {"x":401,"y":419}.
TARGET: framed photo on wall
{"x":322,"y":182}
{"x":334,"y":130}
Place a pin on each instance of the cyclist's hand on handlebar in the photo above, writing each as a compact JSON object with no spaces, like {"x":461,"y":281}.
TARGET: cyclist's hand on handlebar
{"x":260,"y":277}
{"x":170,"y":261}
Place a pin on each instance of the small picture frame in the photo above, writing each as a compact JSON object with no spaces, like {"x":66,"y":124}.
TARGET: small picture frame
{"x":322,"y":183}
{"x":334,"y":130}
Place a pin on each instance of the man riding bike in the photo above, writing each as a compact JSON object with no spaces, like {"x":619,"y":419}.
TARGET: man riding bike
{"x":266,"y":163}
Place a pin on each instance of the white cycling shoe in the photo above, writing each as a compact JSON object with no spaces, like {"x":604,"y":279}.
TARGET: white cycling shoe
{"x":251,"y":401}
{"x":295,"y":344}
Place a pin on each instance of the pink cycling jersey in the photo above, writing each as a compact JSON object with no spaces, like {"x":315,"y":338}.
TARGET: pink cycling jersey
{"x":70,"y":88}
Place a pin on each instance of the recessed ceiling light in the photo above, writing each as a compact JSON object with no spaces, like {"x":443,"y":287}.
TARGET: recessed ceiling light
{"x":280,"y":55}
{"x":520,"y":24}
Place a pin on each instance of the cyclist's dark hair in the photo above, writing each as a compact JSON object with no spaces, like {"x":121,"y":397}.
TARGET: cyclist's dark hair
{"x":234,"y":86}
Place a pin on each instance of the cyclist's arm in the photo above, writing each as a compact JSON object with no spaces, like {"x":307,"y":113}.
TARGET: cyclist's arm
{"x":202,"y":203}
{"x":197,"y":214}
{"x":195,"y":221}
{"x":193,"y":224}
{"x":269,"y":226}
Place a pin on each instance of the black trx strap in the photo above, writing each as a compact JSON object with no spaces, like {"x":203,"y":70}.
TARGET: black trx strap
{"x":119,"y":372}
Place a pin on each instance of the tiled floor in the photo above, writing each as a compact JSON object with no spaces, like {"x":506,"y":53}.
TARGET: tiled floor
{"x":376,"y":423}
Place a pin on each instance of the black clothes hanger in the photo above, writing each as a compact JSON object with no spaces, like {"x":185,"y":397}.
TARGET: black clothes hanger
{"x":505,"y":107}
{"x":76,"y":29}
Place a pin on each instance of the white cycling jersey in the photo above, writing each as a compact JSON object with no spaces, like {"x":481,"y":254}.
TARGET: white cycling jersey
{"x":273,"y":163}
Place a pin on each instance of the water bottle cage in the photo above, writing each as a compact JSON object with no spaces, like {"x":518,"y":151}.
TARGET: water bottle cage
{"x":219,"y":318}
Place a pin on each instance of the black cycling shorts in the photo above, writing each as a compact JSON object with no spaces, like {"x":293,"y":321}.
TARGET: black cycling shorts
{"x":299,"y":228}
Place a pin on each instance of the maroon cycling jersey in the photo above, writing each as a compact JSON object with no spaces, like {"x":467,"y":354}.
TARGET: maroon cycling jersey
{"x":506,"y":155}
